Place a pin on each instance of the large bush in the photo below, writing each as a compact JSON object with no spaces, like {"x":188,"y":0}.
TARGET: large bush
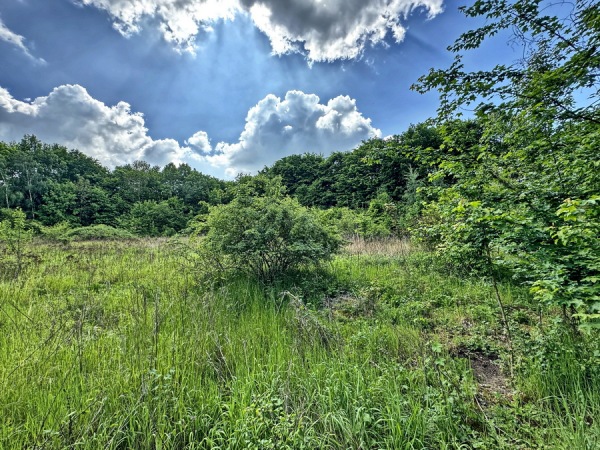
{"x":152,"y":218}
{"x":98,"y":233}
{"x":266,"y":236}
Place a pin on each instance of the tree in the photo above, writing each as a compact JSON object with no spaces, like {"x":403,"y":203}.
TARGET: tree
{"x":135,"y":182}
{"x":297,"y":173}
{"x":28,"y":173}
{"x":191,"y":186}
{"x":561,"y":57}
{"x":10,"y":194}
{"x":93,"y":204}
{"x":524,"y":175}
{"x":59,"y":204}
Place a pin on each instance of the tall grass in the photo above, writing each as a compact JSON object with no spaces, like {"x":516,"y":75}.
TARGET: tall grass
{"x":116,"y":345}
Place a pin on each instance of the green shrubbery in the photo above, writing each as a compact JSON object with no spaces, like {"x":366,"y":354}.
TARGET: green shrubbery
{"x":151,"y":218}
{"x":98,"y":233}
{"x":266,"y":235}
{"x":63,"y":233}
{"x":352,"y":223}
{"x":14,"y":237}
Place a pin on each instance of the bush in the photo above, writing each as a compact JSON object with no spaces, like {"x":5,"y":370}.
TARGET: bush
{"x":98,"y":233}
{"x":266,"y":236}
{"x":350,"y":223}
{"x":58,"y":233}
{"x":150,"y":218}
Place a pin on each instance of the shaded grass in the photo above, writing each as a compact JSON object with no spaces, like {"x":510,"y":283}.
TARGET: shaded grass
{"x":116,"y":345}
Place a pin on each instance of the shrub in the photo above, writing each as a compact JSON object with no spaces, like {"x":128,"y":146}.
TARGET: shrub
{"x":98,"y":233}
{"x":14,"y":236}
{"x":350,"y":223}
{"x":150,"y":218}
{"x":266,"y":236}
{"x":58,"y":233}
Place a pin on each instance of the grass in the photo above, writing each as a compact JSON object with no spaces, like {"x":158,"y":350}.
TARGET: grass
{"x":117,"y":345}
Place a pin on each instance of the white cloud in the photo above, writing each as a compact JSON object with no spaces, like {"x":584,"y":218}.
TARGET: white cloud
{"x":324,"y":30}
{"x":180,"y":21}
{"x":299,"y":123}
{"x":327,"y":30}
{"x":69,"y":116}
{"x":17,"y":40}
{"x":200,"y":142}
{"x":115,"y":135}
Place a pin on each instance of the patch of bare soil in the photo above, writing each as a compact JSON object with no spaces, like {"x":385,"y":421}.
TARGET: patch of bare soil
{"x":493,"y":385}
{"x":489,"y":375}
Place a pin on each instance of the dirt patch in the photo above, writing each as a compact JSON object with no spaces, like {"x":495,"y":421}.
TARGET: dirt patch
{"x":493,"y":385}
{"x":489,"y":375}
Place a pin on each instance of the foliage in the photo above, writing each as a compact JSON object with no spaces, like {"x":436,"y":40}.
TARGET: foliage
{"x":577,"y":256}
{"x":57,"y":233}
{"x":152,"y":218}
{"x":14,"y":237}
{"x":79,"y":203}
{"x":353,"y":179}
{"x":298,"y":174}
{"x":52,"y":184}
{"x":350,"y":223}
{"x":385,"y":213}
{"x":561,"y":57}
{"x":521,"y":179}
{"x":267,"y":235}
{"x":98,"y":233}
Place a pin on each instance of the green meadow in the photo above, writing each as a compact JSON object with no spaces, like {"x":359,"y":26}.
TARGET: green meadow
{"x":129,"y":345}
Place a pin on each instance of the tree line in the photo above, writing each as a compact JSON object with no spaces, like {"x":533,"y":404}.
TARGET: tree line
{"x":53,"y":184}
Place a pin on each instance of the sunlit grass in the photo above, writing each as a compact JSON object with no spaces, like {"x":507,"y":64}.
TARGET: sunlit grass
{"x":116,"y":345}
{"x":391,"y":247}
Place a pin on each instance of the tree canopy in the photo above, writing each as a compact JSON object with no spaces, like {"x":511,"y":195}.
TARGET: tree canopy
{"x":525,"y":174}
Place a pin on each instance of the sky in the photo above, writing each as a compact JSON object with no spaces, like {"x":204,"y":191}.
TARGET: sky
{"x":226,"y":86}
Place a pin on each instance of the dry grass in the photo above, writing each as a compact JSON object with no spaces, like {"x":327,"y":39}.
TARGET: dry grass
{"x":392,"y":247}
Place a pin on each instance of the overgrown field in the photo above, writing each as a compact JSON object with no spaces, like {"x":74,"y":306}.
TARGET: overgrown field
{"x":126,"y":345}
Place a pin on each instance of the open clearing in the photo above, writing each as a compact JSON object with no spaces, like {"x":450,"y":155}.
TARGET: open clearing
{"x":119,"y":345}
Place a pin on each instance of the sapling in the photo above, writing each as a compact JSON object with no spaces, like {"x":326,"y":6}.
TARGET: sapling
{"x":14,"y":237}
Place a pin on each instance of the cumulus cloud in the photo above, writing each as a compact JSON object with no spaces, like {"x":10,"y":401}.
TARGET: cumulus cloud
{"x":116,"y":135}
{"x":323,"y":30}
{"x":200,"y":142}
{"x":113,"y":135}
{"x":327,"y":30}
{"x":17,"y":40}
{"x":299,"y":123}
{"x":180,"y":21}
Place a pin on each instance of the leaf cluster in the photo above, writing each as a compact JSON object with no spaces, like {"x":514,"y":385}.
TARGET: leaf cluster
{"x":520,"y":182}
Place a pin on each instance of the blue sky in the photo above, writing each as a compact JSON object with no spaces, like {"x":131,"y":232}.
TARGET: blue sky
{"x":223,"y":85}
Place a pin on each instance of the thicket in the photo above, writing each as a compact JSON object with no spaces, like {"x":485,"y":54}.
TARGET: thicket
{"x":524,"y":173}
